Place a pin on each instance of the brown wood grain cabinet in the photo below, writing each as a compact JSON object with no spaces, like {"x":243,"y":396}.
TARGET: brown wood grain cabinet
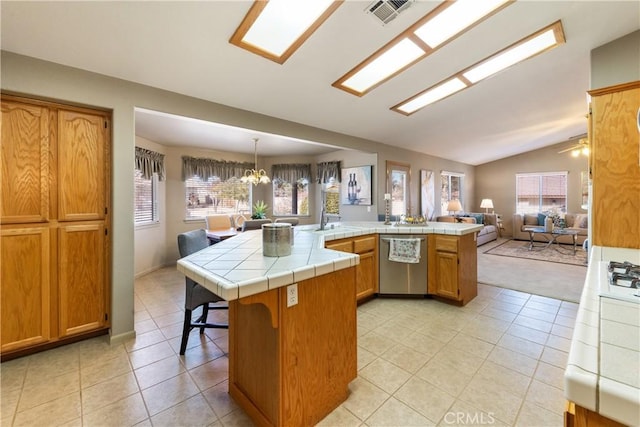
{"x":54,"y":222}
{"x":452,"y":265}
{"x":367,"y":271}
{"x":291,"y":366}
{"x":615,"y":163}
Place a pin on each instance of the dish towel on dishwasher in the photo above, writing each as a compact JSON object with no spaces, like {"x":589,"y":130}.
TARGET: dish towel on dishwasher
{"x":404,"y":250}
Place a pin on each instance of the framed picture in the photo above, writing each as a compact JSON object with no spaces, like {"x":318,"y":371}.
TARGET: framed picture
{"x":356,"y":186}
{"x":427,"y":194}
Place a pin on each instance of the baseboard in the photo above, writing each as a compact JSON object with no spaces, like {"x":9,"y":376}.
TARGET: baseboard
{"x":152,"y":269}
{"x":121,"y":338}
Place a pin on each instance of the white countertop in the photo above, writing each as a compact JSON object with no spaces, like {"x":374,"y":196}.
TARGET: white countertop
{"x":235,"y":268}
{"x":603,"y":369}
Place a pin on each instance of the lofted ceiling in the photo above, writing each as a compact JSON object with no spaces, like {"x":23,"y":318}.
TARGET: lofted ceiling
{"x":183,"y":47}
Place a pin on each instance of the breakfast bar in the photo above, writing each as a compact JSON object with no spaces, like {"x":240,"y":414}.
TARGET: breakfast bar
{"x":292,"y":319}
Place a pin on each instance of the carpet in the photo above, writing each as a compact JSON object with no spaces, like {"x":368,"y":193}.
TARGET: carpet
{"x":520,"y":249}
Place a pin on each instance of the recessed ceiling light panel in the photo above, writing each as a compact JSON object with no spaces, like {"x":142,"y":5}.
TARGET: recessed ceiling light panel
{"x":442,"y":24}
{"x":393,"y":60}
{"x":274,"y":29}
{"x":453,"y":20}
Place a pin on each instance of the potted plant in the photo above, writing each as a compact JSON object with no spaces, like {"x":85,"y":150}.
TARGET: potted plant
{"x":259,"y":210}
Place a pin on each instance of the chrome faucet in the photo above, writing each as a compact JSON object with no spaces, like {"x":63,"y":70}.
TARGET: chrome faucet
{"x":323,"y":216}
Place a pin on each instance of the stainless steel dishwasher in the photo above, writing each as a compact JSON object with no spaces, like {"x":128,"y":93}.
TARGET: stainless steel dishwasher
{"x":399,"y":278}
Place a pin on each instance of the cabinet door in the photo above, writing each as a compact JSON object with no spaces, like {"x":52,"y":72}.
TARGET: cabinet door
{"x":81,"y":164}
{"x":81,"y":277}
{"x":616,"y":175}
{"x":24,"y":282}
{"x":25,"y":163}
{"x":447,"y":275}
{"x":366,"y":277}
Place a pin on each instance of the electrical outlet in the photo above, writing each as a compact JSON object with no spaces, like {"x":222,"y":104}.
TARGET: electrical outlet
{"x":292,"y":295}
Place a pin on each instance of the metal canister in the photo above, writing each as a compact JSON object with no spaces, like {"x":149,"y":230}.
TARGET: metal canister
{"x":277,"y":239}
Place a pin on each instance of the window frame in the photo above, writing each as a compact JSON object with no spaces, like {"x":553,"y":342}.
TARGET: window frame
{"x":190,"y":218}
{"x":294,"y":198}
{"x":155,"y":211}
{"x":449,"y":175}
{"x":541,"y":175}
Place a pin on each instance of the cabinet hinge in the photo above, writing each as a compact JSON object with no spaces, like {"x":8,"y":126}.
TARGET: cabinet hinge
{"x":105,"y":124}
{"x":106,"y":317}
{"x":106,"y":231}
{"x":458,"y":292}
{"x":106,"y":210}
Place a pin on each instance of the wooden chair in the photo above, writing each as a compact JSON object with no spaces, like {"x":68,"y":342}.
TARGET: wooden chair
{"x":195,"y":294}
{"x":218,"y":222}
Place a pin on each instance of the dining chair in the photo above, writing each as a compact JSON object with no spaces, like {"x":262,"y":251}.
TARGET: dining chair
{"x":197,"y":295}
{"x":254,"y":224}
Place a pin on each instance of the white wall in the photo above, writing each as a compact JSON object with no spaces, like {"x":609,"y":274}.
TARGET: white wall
{"x":616,"y":62}
{"x":149,"y":240}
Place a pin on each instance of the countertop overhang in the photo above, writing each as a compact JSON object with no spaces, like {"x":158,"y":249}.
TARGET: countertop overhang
{"x":603,"y":368}
{"x":236,"y":268}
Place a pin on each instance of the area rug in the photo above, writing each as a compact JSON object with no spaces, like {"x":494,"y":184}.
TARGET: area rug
{"x":520,"y":249}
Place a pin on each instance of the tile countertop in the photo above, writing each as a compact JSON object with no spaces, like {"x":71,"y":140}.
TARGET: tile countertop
{"x":603,"y":369}
{"x":236,"y":268}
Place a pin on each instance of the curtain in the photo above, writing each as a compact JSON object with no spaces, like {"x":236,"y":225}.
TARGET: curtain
{"x":206,"y":168}
{"x":150,"y":162}
{"x":328,"y":170}
{"x":291,"y":172}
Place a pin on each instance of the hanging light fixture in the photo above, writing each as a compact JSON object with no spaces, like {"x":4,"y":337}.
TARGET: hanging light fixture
{"x":255,"y":176}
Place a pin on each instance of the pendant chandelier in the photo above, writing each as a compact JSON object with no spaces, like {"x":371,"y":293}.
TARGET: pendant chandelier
{"x":255,"y":176}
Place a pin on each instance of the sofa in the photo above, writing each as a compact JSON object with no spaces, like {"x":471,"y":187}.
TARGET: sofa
{"x":487,"y":234}
{"x":573,"y":221}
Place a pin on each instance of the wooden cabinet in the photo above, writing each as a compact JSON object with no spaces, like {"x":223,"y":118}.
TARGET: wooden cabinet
{"x":292,"y":365}
{"x":54,"y":222}
{"x":453,"y":267}
{"x":367,"y":270}
{"x":615,"y":163}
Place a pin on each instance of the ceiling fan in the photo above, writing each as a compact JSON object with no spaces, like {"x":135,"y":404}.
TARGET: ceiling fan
{"x":581,"y":146}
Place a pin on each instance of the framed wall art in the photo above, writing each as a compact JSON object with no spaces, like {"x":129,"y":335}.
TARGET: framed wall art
{"x":356,"y":186}
{"x":427,"y":194}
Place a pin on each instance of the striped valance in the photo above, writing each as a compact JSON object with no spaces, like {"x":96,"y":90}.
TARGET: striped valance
{"x":150,"y":162}
{"x":291,"y":172}
{"x":206,"y":168}
{"x":328,"y":170}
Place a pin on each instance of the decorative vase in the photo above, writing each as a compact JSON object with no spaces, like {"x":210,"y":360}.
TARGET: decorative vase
{"x":548,"y":224}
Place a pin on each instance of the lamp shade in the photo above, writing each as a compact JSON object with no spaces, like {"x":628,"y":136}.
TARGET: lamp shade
{"x":454,"y":205}
{"x":487,"y":204}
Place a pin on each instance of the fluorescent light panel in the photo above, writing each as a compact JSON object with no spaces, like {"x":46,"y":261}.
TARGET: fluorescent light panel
{"x":400,"y":55}
{"x":538,"y":42}
{"x":455,"y":19}
{"x":274,"y":29}
{"x":434,"y":30}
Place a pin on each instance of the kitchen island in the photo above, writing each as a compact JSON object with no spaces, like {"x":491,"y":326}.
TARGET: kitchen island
{"x":292,"y":319}
{"x":602,"y":377}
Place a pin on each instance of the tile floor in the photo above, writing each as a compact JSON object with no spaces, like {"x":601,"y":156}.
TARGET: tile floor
{"x":497,"y":361}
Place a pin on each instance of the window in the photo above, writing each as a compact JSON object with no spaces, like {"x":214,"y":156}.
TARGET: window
{"x":452,"y":185}
{"x":146,"y":199}
{"x":215,"y":196}
{"x":290,"y":198}
{"x":540,"y":192}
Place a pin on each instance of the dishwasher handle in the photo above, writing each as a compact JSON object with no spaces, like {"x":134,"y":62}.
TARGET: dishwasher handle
{"x":388,"y":239}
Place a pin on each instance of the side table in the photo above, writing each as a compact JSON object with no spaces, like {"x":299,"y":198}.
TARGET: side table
{"x":499,"y":225}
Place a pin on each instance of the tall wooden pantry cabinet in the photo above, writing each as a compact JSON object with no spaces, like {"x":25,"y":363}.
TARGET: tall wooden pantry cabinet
{"x":615,"y":165}
{"x":54,"y":224}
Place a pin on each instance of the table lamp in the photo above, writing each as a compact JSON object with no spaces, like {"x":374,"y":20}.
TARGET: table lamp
{"x":486,"y":204}
{"x":454,"y":206}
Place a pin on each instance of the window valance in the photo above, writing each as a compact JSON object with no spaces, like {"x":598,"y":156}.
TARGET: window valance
{"x":206,"y":168}
{"x":328,"y":170}
{"x":291,"y":172}
{"x":150,"y":162}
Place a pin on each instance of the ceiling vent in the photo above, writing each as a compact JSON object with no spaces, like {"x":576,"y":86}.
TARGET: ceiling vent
{"x":387,"y":10}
